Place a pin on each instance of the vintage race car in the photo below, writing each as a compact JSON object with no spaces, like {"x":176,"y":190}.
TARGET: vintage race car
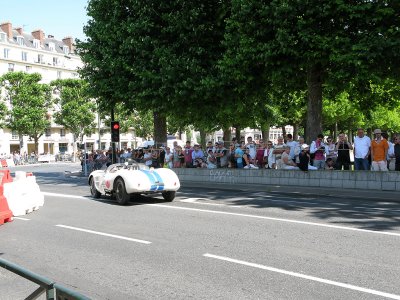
{"x":123,"y":181}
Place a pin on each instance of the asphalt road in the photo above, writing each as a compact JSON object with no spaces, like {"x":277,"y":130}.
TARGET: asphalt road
{"x":207,"y":244}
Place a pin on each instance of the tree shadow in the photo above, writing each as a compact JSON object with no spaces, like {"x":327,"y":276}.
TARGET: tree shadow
{"x":379,"y":215}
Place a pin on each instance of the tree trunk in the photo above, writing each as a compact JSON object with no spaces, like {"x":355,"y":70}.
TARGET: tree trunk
{"x":203,"y":139}
{"x":227,"y":136}
{"x":295,"y":132}
{"x":36,"y":141}
{"x":237,"y":133}
{"x":265,"y":131}
{"x":314,"y":105}
{"x":284,"y":132}
{"x":160,"y":129}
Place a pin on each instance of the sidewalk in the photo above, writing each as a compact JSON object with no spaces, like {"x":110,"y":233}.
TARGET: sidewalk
{"x":369,"y":195}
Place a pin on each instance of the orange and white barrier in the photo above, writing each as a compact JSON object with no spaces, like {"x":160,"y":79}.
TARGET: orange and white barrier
{"x":5,"y":212}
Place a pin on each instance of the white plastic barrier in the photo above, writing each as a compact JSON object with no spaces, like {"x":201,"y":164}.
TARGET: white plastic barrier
{"x":10,"y":162}
{"x":23,"y":194}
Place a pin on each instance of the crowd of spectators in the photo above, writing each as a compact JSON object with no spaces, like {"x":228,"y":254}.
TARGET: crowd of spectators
{"x":378,"y":154}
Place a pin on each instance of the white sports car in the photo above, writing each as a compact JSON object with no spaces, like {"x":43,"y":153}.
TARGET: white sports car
{"x":125,"y":180}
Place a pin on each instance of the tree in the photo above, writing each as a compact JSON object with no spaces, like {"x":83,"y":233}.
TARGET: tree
{"x":154,"y":55}
{"x":76,"y":110}
{"x":30,"y":101}
{"x":309,"y":44}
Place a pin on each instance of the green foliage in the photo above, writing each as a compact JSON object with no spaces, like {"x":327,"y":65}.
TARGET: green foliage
{"x":339,"y":43}
{"x":30,"y":101}
{"x":215,"y":64}
{"x":76,"y":111}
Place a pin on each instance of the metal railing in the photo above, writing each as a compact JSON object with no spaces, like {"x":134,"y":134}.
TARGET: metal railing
{"x":54,"y":291}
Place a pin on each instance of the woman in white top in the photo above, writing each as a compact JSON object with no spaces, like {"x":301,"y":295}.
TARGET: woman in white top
{"x":286,"y":162}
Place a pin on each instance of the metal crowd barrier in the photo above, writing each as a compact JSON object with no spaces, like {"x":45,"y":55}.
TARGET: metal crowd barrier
{"x":54,"y":291}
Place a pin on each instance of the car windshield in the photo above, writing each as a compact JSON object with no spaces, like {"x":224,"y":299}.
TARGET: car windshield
{"x":131,"y":166}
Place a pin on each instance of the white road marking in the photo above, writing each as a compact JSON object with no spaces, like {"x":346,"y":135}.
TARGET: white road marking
{"x":303,"y":276}
{"x":65,"y":196}
{"x":247,"y":216}
{"x":104,"y":234}
{"x":22,"y":219}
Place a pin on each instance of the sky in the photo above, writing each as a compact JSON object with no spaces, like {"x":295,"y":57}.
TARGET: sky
{"x":60,"y":18}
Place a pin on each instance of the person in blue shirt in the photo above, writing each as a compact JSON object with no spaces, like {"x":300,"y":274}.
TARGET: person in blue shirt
{"x":197,"y":156}
{"x":239,"y":156}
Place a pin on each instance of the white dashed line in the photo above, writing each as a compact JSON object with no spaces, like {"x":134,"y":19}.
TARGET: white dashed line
{"x":104,"y":234}
{"x":303,"y":276}
{"x":22,"y":219}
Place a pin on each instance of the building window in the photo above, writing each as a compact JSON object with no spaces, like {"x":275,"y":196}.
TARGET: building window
{"x":40,"y":59}
{"x":36,"y":43}
{"x":66,"y":49}
{"x":14,"y":135}
{"x":63,"y":147}
{"x":58,"y":74}
{"x":55,"y":61}
{"x":2,"y":37}
{"x":11,"y":67}
{"x":20,"y":40}
{"x":62,"y":132}
{"x":24,"y":56}
{"x":28,"y":69}
{"x":48,"y":132}
{"x":6,"y":53}
{"x":51,"y":47}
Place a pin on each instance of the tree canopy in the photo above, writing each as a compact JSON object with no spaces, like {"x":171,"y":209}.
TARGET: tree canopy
{"x":218,"y":64}
{"x":30,"y":101}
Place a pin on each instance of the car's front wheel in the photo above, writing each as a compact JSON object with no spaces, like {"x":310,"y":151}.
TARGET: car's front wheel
{"x":169,"y":196}
{"x":93,"y":191}
{"x":121,"y":195}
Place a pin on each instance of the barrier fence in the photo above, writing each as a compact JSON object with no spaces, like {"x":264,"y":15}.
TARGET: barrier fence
{"x":54,"y":291}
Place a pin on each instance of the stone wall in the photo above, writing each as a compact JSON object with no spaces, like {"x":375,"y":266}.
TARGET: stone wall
{"x":386,"y":181}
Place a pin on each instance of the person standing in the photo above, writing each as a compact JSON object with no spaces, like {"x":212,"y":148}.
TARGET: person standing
{"x":397,"y":153}
{"x":239,"y":156}
{"x":222,"y":155}
{"x":293,"y":145}
{"x":379,"y":150}
{"x":343,"y":147}
{"x":319,"y":149}
{"x":362,"y":145}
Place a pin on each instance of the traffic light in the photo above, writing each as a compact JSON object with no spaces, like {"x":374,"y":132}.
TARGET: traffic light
{"x":115,"y":131}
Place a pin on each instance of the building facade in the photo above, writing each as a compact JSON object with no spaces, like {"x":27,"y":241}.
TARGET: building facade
{"x":53,"y":59}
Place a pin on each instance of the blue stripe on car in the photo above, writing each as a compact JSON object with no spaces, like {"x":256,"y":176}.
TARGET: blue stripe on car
{"x":160,"y":181}
{"x":152,"y":180}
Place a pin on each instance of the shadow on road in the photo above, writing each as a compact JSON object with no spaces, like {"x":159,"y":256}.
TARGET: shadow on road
{"x":364,"y":214}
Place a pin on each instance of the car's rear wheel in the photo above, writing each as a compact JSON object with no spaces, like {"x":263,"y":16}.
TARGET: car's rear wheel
{"x":169,"y":196}
{"x":121,"y":195}
{"x":93,"y":191}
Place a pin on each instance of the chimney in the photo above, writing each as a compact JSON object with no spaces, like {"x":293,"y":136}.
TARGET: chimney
{"x":19,"y":30}
{"x":39,"y":35}
{"x":7,"y":28}
{"x":68,"y":41}
{"x":50,"y":36}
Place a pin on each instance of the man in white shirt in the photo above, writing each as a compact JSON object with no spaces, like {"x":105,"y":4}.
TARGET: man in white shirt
{"x":362,"y":148}
{"x":292,"y":144}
